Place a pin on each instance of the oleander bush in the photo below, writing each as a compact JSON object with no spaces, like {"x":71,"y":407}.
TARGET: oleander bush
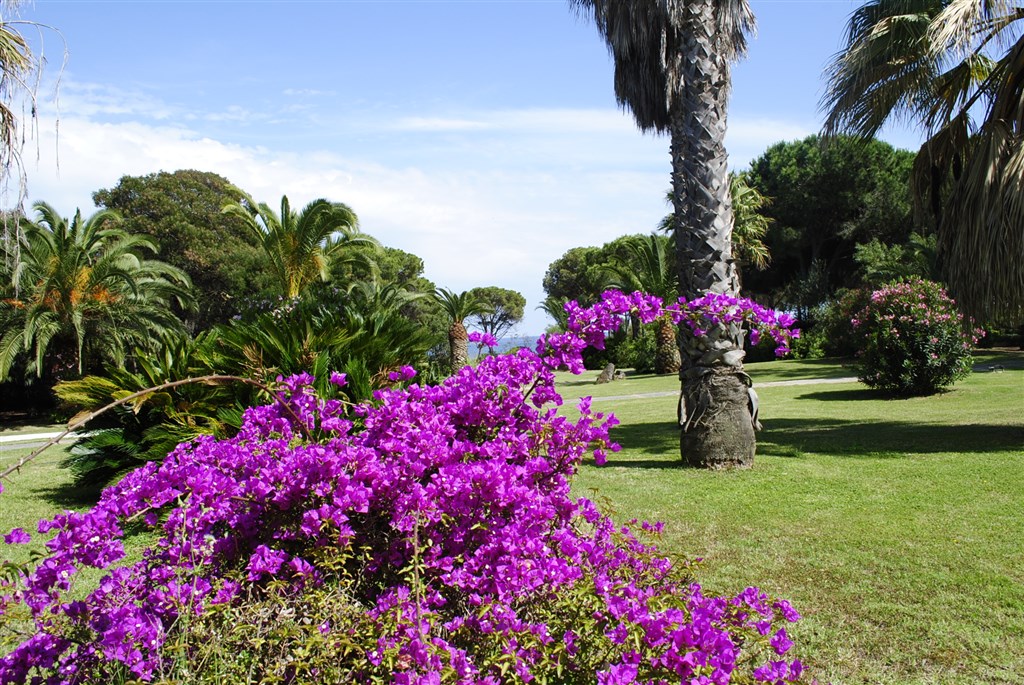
{"x":426,"y":536}
{"x":911,"y":339}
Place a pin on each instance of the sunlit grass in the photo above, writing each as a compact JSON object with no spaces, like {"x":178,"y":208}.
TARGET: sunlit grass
{"x":896,"y":525}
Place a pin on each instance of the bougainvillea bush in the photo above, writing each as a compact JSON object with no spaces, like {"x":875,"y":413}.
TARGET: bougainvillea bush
{"x":911,"y":339}
{"x":428,"y":536}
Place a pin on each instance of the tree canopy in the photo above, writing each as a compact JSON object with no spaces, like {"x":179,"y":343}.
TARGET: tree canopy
{"x":825,"y":200}
{"x":503,"y":309}
{"x":181,"y":210}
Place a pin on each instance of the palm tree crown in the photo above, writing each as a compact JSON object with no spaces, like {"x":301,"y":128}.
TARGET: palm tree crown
{"x":81,"y":290}
{"x":458,"y":307}
{"x":300,"y":245}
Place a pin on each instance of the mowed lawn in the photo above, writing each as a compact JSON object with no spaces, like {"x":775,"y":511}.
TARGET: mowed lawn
{"x":896,"y":526}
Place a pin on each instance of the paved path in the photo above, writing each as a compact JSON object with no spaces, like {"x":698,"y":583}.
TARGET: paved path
{"x":28,"y":437}
{"x":28,"y":441}
{"x":769,"y":384}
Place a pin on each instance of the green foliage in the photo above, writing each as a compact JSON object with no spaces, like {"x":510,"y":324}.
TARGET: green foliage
{"x":880,"y":263}
{"x":82,"y":293}
{"x":826,"y":199}
{"x":831,"y":333}
{"x":300,"y":246}
{"x":582,"y":273}
{"x":638,"y":352}
{"x":181,"y":211}
{"x":576,"y":275}
{"x":503,"y":309}
{"x":911,"y":339}
{"x":361,"y":333}
{"x":150,"y":426}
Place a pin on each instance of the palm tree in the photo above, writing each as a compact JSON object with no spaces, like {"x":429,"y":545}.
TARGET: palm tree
{"x":672,"y":70}
{"x":458,"y":307}
{"x":300,"y":245}
{"x":81,"y":293}
{"x":957,"y":68}
{"x":650,"y":268}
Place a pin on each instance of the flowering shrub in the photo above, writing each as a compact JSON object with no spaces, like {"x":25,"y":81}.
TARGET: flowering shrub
{"x":426,"y":537}
{"x":911,"y":339}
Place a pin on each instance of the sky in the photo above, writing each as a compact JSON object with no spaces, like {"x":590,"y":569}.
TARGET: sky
{"x":480,"y":135}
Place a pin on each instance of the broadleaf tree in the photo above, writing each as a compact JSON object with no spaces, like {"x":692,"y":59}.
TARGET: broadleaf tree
{"x":503,"y":309}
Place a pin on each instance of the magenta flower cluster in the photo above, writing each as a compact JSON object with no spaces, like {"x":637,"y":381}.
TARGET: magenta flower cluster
{"x":589,"y":326}
{"x":465,"y":483}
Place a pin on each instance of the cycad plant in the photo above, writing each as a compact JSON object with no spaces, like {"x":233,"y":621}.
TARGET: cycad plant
{"x":149,"y":427}
{"x":956,"y":67}
{"x":83,"y":294}
{"x":361,"y":333}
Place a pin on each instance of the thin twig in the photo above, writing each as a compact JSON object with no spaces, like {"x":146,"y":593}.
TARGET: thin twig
{"x":211,"y":379}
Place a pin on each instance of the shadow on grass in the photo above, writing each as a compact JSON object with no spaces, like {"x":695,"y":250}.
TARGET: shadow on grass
{"x":71,"y":496}
{"x":656,"y":445}
{"x":789,"y":437}
{"x":650,"y":445}
{"x":833,"y":367}
{"x":848,"y":395}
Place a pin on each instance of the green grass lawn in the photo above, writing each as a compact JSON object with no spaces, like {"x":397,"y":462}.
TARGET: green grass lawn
{"x":897,"y":526}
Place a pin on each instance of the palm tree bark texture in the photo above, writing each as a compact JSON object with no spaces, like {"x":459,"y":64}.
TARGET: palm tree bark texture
{"x":672,"y":70}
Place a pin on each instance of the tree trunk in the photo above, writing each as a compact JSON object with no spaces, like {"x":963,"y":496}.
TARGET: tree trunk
{"x":458,"y":341}
{"x":722,"y":436}
{"x":718,"y":431}
{"x":666,"y":356}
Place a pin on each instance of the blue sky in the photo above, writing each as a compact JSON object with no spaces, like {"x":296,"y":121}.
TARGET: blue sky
{"x":481,"y":135}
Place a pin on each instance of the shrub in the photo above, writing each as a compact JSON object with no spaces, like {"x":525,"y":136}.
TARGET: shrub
{"x":911,"y":339}
{"x":427,"y":536}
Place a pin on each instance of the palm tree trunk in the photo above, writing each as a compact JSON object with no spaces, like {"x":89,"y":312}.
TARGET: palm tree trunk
{"x":458,"y":341}
{"x":666,"y":356}
{"x":716,"y":422}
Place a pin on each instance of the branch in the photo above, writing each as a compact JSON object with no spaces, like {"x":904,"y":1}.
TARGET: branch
{"x":212,"y":379}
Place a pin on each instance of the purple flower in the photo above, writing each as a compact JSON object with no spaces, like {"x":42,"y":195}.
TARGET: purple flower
{"x":780,"y":642}
{"x":17,"y":537}
{"x":339,"y":379}
{"x":403,"y":374}
{"x":483,"y":338}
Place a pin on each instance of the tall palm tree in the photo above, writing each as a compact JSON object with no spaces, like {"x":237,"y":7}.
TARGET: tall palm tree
{"x":651,"y":268}
{"x":957,"y":68}
{"x":672,"y":70}
{"x":458,"y":307}
{"x":300,"y":245}
{"x":82,"y":292}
